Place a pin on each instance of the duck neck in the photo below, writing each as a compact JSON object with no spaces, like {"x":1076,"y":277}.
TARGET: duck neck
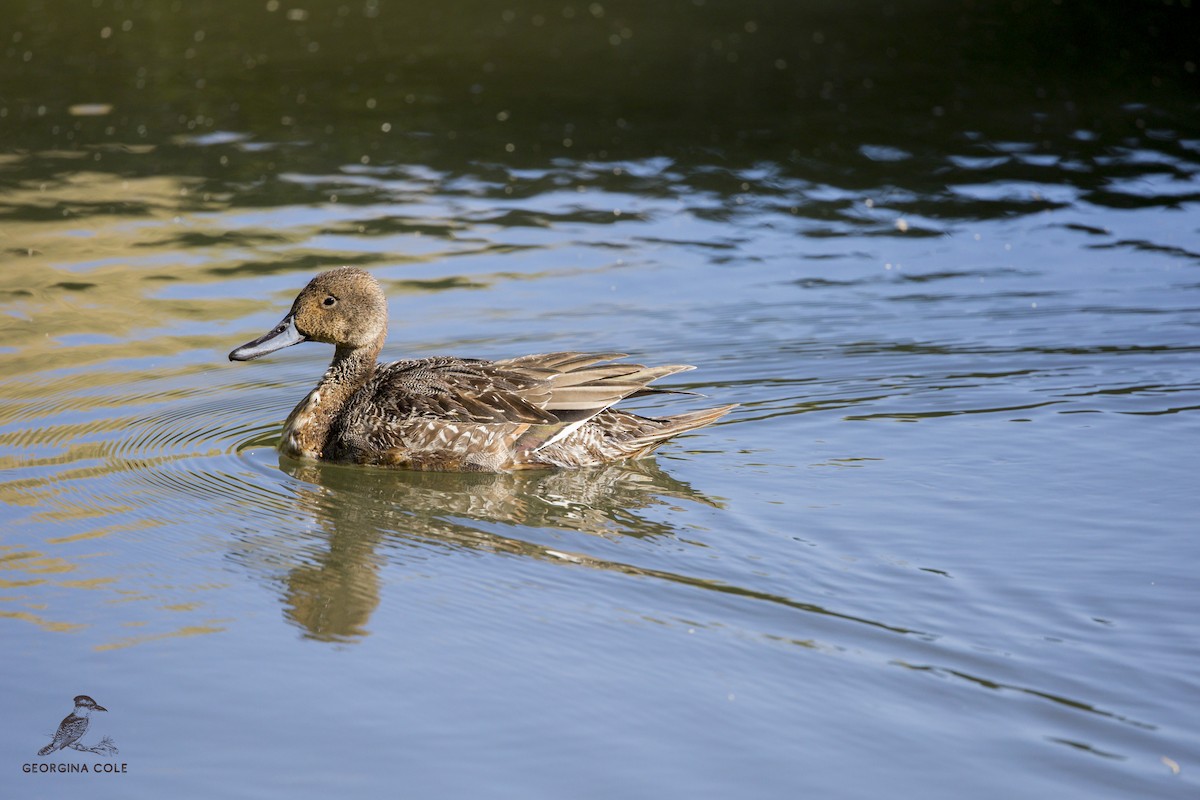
{"x":307,"y":430}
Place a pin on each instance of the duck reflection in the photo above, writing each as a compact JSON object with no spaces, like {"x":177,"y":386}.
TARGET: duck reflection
{"x":332,"y":595}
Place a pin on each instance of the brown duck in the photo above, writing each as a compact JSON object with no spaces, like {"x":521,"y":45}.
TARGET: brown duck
{"x":456,"y":414}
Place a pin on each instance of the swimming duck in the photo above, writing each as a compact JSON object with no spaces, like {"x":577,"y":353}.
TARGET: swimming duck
{"x":456,"y":414}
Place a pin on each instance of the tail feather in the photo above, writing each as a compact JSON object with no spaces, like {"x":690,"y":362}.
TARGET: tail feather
{"x":577,"y":391}
{"x":665,"y":428}
{"x":612,"y":435}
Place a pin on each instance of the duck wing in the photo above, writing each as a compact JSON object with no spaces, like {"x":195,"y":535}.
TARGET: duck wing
{"x":459,"y":390}
{"x":542,"y":389}
{"x":458,"y":414}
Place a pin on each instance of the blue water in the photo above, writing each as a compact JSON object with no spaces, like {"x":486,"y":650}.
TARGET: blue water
{"x":945,"y":547}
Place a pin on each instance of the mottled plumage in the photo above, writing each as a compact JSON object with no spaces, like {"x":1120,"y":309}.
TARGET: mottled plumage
{"x":447,"y":413}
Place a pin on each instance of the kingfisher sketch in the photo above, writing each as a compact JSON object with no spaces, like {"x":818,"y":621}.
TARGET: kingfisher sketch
{"x":74,"y":726}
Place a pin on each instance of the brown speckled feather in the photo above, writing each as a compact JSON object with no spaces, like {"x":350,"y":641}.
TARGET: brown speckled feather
{"x":447,"y":413}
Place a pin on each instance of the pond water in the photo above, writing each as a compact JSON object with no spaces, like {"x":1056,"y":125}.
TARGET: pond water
{"x":946,"y":259}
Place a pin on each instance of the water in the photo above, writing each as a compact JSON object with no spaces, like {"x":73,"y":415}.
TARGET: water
{"x":945,"y":261}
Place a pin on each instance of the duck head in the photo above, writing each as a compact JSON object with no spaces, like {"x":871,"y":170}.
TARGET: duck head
{"x":344,"y":307}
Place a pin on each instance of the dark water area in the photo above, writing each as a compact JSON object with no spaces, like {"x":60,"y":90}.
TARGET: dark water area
{"x":818,"y":91}
{"x":945,"y":256}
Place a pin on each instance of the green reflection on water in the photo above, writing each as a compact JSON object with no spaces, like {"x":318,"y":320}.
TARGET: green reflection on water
{"x":472,"y":82}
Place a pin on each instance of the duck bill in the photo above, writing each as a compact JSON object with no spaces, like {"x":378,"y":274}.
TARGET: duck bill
{"x":282,"y":335}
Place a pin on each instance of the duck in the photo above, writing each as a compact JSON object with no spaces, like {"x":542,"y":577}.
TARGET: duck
{"x":451,"y":414}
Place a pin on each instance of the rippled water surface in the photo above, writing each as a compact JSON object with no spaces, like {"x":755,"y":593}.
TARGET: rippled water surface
{"x":947,"y":262}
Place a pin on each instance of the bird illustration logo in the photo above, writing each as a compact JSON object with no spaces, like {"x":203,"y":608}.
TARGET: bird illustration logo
{"x":74,"y":726}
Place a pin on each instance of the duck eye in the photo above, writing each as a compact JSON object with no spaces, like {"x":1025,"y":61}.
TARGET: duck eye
{"x":330,"y":301}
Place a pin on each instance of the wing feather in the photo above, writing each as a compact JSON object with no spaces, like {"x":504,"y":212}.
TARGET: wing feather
{"x":552,"y":392}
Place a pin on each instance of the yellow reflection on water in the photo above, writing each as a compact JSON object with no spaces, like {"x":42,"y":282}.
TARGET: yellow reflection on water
{"x":90,"y":583}
{"x":184,"y":632}
{"x":89,"y":255}
{"x":95,"y":276}
{"x":100,"y":533}
{"x":32,"y":562}
{"x":45,"y":624}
